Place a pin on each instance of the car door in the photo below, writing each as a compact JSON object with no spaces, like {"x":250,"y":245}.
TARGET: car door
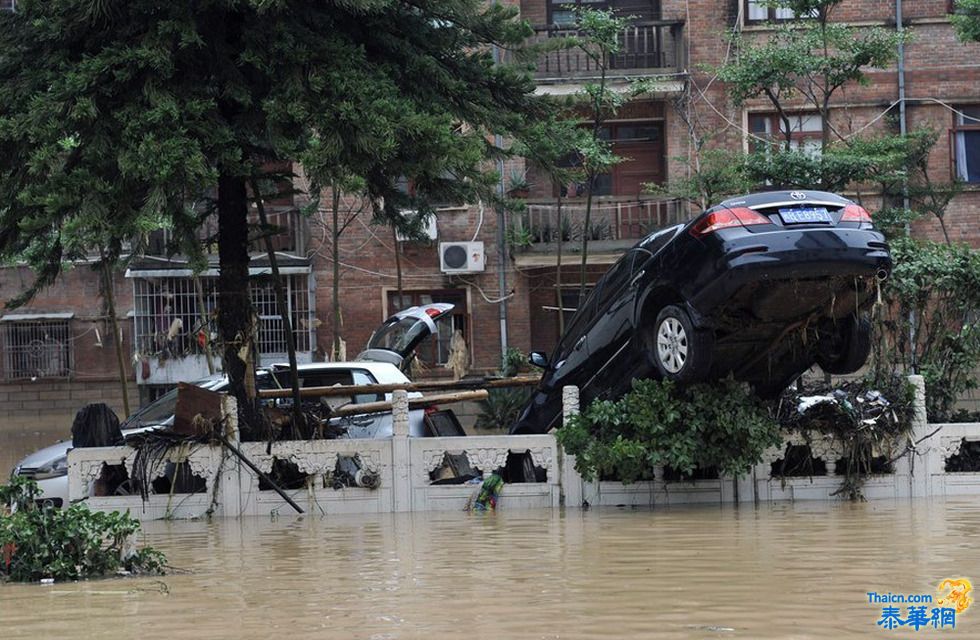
{"x":610,"y":330}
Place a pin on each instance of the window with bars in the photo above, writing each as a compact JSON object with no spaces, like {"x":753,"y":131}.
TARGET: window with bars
{"x":966,"y":143}
{"x":435,"y":349}
{"x":176,"y":317}
{"x":37,"y":349}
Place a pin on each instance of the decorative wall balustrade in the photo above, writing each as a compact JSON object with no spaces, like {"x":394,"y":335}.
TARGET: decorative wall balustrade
{"x":403,"y":470}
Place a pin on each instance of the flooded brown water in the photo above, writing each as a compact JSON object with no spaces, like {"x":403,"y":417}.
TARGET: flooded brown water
{"x":785,"y":571}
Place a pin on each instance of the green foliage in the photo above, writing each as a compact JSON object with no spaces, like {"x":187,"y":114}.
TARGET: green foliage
{"x":502,"y":407}
{"x":720,"y":425}
{"x":515,"y":361}
{"x":888,"y":160}
{"x":929,"y":325}
{"x":70,"y":544}
{"x":808,"y":58}
{"x":112,"y":122}
{"x":966,"y":19}
{"x":715,"y":174}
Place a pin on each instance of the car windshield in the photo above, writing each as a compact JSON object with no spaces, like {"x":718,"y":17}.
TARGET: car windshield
{"x":398,"y":334}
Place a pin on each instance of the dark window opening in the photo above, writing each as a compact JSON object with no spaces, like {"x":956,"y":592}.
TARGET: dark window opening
{"x":967,"y":460}
{"x":285,"y":474}
{"x":520,"y":469}
{"x":798,"y":462}
{"x":876,"y":465}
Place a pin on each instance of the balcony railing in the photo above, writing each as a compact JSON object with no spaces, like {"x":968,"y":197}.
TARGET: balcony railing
{"x":650,"y":45}
{"x":609,"y":220}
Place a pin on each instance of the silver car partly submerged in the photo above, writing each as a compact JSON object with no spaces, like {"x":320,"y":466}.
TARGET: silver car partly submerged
{"x":379,"y":363}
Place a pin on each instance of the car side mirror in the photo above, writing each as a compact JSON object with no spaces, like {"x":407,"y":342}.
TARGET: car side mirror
{"x":539,"y":359}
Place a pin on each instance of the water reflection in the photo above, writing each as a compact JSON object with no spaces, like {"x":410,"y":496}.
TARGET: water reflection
{"x":789,"y":570}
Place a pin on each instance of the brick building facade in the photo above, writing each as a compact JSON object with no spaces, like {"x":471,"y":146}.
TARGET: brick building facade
{"x":58,"y":351}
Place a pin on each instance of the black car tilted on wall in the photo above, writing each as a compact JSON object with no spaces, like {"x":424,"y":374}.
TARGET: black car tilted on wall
{"x":760,"y":287}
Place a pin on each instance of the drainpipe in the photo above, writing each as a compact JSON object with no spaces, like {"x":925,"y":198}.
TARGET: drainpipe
{"x":903,"y":125}
{"x":501,"y":240}
{"x":502,"y":252}
{"x":903,"y":130}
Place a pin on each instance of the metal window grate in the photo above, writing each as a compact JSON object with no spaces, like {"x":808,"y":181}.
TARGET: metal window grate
{"x":36,"y":350}
{"x":169,"y":321}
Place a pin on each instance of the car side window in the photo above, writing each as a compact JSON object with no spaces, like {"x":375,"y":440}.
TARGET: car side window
{"x":362,"y":376}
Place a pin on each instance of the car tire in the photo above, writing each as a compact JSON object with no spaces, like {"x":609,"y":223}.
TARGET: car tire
{"x":679,"y":351}
{"x":852,"y":346}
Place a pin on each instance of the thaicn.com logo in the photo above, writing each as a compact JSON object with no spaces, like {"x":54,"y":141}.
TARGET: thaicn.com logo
{"x":924,"y":610}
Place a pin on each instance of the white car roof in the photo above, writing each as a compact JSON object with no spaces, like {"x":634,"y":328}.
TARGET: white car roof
{"x":383,"y":371}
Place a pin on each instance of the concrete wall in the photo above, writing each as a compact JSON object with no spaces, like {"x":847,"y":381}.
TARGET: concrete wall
{"x":404,"y":466}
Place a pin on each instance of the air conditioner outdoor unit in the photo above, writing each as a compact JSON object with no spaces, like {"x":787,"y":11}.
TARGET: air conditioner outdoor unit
{"x":461,"y":257}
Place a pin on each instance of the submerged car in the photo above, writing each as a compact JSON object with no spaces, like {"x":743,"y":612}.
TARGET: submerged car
{"x":388,"y":347}
{"x":760,"y":287}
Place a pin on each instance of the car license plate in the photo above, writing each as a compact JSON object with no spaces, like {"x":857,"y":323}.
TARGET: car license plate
{"x":818,"y":215}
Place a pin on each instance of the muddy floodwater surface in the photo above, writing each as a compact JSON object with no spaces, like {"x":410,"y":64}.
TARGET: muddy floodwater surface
{"x":786,"y":571}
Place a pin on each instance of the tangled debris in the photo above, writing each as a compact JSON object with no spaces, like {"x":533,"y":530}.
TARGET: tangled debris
{"x":868,"y":420}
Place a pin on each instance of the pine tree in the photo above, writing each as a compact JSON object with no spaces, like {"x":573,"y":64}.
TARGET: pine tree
{"x":116,"y":115}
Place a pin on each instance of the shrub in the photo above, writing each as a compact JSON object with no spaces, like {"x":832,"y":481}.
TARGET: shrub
{"x":39,"y":542}
{"x":721,"y":425}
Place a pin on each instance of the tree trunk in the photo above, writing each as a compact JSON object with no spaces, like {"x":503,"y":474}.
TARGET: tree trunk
{"x":299,"y":420}
{"x":235,"y":317}
{"x":117,"y":338}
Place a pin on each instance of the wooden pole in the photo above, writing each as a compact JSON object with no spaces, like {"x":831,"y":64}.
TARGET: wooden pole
{"x":350,"y":390}
{"x":413,"y":403}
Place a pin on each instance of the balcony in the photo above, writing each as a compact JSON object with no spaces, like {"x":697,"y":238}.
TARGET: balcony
{"x":613,"y":226}
{"x":646,"y":48}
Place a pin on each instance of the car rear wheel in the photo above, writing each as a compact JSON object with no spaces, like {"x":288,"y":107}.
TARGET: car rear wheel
{"x":680,"y":352}
{"x":848,"y":348}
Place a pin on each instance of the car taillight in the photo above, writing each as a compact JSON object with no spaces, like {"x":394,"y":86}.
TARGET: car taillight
{"x":738,"y":217}
{"x":855,"y":213}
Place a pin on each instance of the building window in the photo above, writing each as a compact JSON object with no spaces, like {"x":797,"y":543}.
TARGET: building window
{"x":641,"y":146}
{"x":966,"y":143}
{"x":39,"y":348}
{"x":8,"y":5}
{"x":434,"y":350}
{"x":757,"y":11}
{"x":170,"y":322}
{"x":805,"y":131}
{"x":561,"y":13}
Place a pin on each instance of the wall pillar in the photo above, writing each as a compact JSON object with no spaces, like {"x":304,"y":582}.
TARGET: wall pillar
{"x":920,"y":463}
{"x":400,"y":454}
{"x":570,"y":482}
